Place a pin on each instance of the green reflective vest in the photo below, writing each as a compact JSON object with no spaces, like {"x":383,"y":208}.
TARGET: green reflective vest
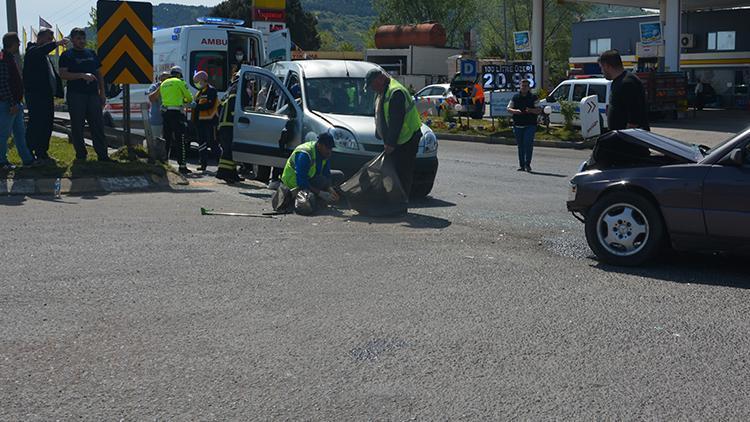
{"x":289,"y":177}
{"x":175,"y":93}
{"x":412,"y":122}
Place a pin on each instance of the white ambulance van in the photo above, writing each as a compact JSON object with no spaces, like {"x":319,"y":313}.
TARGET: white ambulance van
{"x":209,"y":46}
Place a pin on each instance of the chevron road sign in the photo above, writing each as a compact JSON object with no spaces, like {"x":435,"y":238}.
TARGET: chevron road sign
{"x":125,"y":41}
{"x":590,"y":118}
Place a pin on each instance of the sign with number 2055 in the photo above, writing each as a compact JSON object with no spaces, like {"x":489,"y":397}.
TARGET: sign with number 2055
{"x":507,"y":76}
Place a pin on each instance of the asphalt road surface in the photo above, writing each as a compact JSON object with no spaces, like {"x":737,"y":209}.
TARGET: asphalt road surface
{"x":483,"y":304}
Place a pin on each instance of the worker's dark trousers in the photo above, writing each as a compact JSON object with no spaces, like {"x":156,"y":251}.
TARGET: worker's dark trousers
{"x":405,"y":157}
{"x":207,"y":140}
{"x":41,"y":107}
{"x":227,"y":166}
{"x":174,"y":131}
{"x":86,"y":108}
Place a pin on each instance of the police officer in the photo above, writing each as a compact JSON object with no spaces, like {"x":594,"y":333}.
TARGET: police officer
{"x":227,"y":167}
{"x":205,"y":116}
{"x":397,"y":123}
{"x":174,"y":96}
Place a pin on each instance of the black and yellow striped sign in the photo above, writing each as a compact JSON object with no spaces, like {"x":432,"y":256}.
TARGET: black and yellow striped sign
{"x":125,"y":41}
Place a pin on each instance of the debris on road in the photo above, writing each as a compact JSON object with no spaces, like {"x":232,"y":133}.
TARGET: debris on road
{"x":375,"y":190}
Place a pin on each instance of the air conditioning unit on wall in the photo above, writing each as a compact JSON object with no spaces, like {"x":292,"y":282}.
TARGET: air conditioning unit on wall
{"x":687,"y":41}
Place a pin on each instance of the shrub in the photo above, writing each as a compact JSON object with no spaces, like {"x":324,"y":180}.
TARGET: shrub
{"x":568,"y":111}
{"x":449,"y":116}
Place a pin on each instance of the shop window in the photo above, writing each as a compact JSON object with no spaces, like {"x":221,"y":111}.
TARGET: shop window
{"x":599,"y":46}
{"x":721,"y":41}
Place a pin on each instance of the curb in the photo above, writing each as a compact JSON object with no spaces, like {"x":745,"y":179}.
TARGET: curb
{"x":510,"y":141}
{"x":77,"y":186}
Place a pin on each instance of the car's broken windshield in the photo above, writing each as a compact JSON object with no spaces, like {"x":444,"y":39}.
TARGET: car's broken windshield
{"x":345,"y":96}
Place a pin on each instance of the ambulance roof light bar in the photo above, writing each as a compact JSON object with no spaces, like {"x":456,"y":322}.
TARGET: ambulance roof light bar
{"x":219,"y":21}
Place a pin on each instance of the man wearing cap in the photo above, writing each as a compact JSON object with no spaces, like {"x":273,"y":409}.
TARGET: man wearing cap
{"x":174,"y":96}
{"x":308,"y":168}
{"x":397,"y":123}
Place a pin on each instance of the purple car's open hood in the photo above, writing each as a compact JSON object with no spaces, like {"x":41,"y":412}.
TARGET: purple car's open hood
{"x":670,"y":147}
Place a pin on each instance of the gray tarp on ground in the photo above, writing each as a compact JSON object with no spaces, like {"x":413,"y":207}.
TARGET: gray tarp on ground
{"x":375,"y":190}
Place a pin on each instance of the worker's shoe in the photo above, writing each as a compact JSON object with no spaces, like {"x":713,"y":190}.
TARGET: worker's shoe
{"x":184,"y":170}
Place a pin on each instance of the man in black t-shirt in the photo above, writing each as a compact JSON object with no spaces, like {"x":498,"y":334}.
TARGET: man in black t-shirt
{"x":627,"y":99}
{"x":524,"y":107}
{"x":86,"y":96}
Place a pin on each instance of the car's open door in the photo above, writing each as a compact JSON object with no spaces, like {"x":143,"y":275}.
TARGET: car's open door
{"x":267,"y":121}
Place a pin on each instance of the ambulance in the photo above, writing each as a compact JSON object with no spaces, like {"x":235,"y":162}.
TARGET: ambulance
{"x":212,"y":46}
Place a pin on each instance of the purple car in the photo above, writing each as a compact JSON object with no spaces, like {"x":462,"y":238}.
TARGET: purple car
{"x":640,"y":192}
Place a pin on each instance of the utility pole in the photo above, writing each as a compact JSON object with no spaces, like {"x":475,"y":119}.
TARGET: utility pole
{"x":10,"y":5}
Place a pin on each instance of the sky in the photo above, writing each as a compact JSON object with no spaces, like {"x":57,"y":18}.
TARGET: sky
{"x":67,"y":14}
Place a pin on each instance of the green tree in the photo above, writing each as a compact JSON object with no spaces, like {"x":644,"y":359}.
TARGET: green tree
{"x":368,"y":37}
{"x":302,"y":26}
{"x":500,"y":18}
{"x":346,"y":46}
{"x":327,"y":41}
{"x":235,"y":9}
{"x":91,"y":42}
{"x":457,"y":16}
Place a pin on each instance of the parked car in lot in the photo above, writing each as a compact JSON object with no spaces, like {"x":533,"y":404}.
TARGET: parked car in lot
{"x":640,"y":191}
{"x":429,"y":97}
{"x":292,"y":102}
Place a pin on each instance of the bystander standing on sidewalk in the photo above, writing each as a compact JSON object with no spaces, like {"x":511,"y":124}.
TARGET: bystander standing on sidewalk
{"x":11,"y":103}
{"x":627,"y":99}
{"x":41,"y":85}
{"x":524,"y":107}
{"x":86,"y":95}
{"x":154,"y":98}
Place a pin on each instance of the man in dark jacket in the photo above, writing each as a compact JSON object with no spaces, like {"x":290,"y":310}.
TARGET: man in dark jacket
{"x":627,"y":100}
{"x":42,"y":84}
{"x":397,"y":123}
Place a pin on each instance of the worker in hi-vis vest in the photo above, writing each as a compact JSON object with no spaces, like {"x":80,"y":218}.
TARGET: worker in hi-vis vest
{"x":397,"y":123}
{"x":174,"y":97}
{"x":308,"y":168}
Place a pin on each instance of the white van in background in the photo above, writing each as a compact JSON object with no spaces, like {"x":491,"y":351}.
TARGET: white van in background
{"x":209,"y":46}
{"x":575,"y":90}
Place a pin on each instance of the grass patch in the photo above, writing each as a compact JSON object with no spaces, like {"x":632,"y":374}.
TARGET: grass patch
{"x":68,"y":166}
{"x":502,"y":129}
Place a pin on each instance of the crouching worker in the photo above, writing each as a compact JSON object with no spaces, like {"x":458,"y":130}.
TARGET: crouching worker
{"x":308,"y":176}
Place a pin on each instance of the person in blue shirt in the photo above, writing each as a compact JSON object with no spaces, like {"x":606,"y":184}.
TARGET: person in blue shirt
{"x":309,"y":168}
{"x":86,"y":97}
